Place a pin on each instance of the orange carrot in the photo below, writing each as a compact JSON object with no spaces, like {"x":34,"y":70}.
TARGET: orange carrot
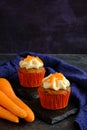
{"x":7,"y":103}
{"x":30,"y":114}
{"x":5,"y":114}
{"x":6,"y":87}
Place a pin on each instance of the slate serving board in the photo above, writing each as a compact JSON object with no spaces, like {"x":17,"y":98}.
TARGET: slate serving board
{"x":30,"y":96}
{"x":24,"y":92}
{"x":52,"y":116}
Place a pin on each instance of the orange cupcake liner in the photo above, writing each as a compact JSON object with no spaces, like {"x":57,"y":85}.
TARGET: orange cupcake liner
{"x":53,"y":102}
{"x":31,"y":79}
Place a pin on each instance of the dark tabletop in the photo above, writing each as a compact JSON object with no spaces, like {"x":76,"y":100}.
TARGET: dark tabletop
{"x":79,"y":60}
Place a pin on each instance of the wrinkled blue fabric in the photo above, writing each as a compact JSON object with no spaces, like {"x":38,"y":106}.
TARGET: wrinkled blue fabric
{"x":76,"y":76}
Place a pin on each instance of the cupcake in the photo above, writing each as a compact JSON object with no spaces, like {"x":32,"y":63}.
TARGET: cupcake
{"x":31,"y":71}
{"x":55,"y":92}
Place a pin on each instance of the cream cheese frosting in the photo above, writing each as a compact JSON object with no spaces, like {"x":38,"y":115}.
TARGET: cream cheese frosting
{"x":56,"y":82}
{"x":31,"y":62}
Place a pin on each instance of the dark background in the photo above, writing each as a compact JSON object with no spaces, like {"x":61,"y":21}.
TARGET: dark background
{"x":45,"y":26}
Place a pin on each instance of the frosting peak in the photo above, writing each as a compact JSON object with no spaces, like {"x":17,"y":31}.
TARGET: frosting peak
{"x":55,"y":81}
{"x":31,"y":62}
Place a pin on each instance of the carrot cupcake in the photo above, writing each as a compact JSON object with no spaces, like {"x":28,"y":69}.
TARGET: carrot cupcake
{"x":31,"y":71}
{"x":55,"y":91}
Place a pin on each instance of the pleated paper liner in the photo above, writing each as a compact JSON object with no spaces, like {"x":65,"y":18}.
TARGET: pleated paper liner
{"x":31,"y":80}
{"x":54,"y":101}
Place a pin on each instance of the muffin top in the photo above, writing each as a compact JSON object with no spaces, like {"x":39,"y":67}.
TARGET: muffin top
{"x":56,"y":81}
{"x":31,"y":62}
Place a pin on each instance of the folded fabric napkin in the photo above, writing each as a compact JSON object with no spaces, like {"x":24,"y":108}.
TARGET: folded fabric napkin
{"x":76,"y":76}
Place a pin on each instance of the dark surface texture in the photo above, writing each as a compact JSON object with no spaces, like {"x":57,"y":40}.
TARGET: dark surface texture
{"x":46,"y":26}
{"x":52,"y":117}
{"x":66,"y":124}
{"x":31,"y":97}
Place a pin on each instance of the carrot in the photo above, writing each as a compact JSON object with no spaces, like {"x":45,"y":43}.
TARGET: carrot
{"x":30,"y":114}
{"x":7,"y":103}
{"x":5,"y":114}
{"x":6,"y":87}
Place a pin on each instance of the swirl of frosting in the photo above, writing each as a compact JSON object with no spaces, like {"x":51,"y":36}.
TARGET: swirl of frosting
{"x":56,"y":82}
{"x":31,"y":62}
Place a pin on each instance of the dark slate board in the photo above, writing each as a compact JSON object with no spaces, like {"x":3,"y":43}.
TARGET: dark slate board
{"x":30,"y":96}
{"x":52,"y":116}
{"x":24,"y":92}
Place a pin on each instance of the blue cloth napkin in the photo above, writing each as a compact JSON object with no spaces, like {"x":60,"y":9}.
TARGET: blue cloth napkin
{"x":76,"y":76}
